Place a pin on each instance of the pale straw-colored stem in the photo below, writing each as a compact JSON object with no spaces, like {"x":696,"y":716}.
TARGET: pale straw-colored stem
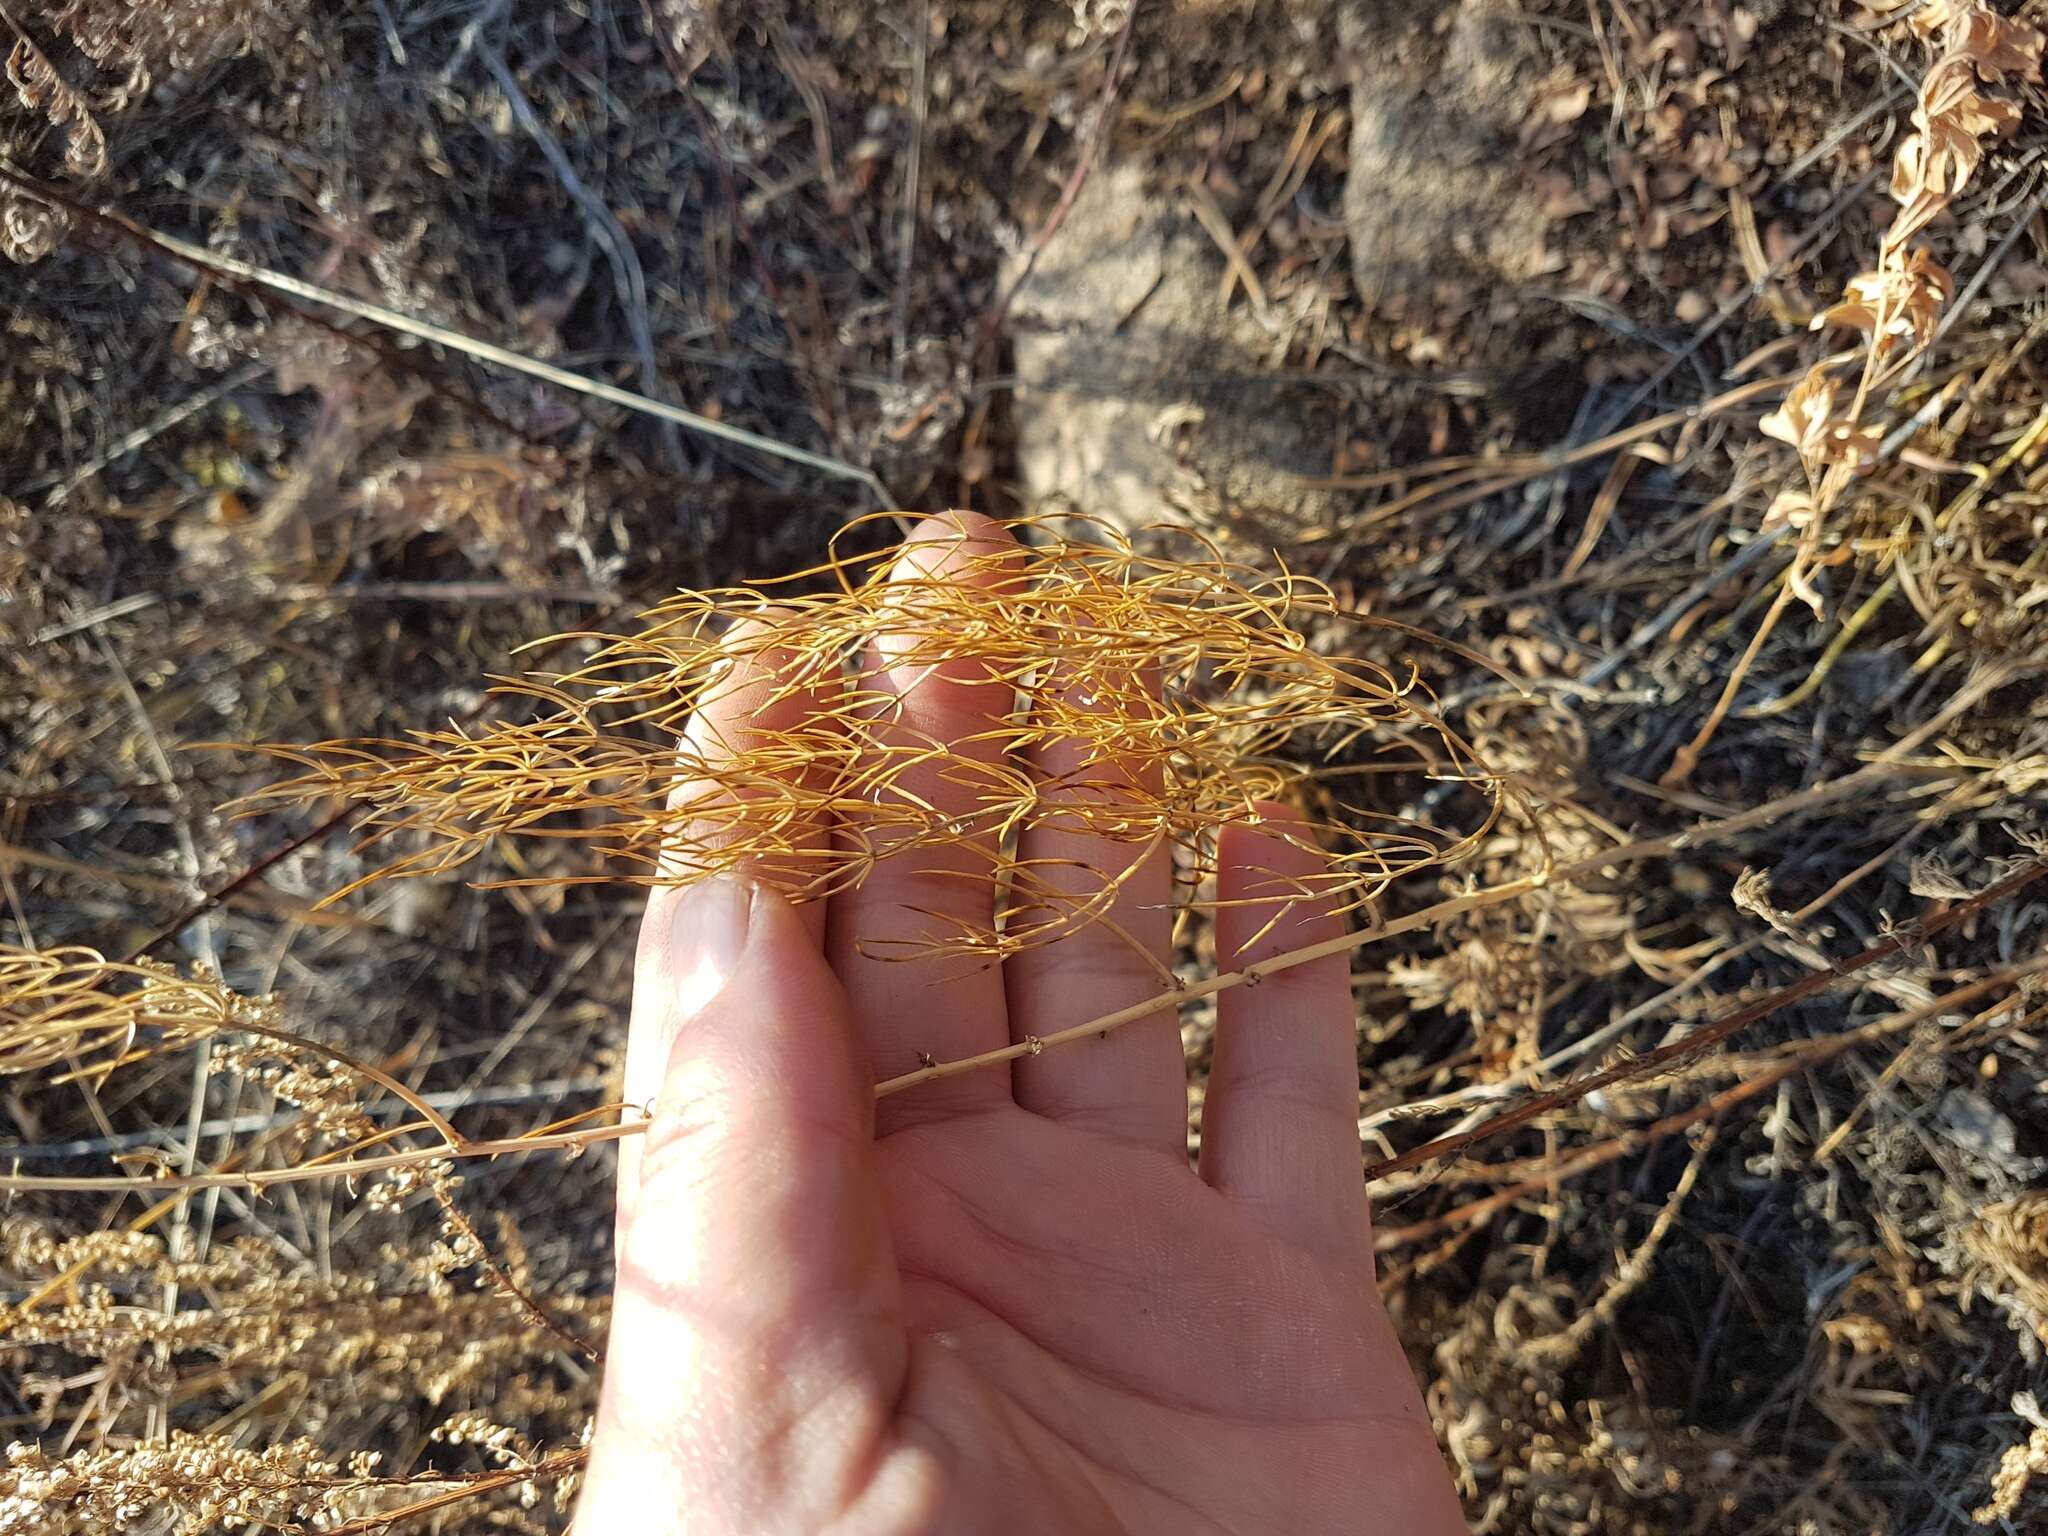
{"x":1188,"y":991}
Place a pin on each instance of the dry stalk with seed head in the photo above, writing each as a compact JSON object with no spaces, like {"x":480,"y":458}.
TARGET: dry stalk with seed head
{"x":74,"y":1008}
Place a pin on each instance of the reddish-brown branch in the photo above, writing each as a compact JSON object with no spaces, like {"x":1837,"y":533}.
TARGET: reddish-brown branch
{"x":232,"y":888}
{"x":1468,"y":1215}
{"x":490,"y":1482}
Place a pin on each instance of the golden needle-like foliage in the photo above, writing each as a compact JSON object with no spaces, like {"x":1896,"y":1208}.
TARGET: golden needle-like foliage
{"x":1157,"y":698}
{"x":73,"y":1007}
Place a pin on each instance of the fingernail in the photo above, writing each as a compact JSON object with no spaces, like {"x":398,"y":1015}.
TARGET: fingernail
{"x":707,"y":936}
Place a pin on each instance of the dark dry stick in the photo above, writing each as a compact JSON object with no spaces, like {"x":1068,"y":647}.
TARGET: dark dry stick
{"x":560,"y":1331}
{"x":1698,"y":1043}
{"x":457,"y":341}
{"x":214,"y":898}
{"x":270,"y":860}
{"x":1707,"y":1109}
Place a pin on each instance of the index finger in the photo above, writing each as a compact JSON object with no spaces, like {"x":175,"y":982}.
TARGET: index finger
{"x":737,"y":787}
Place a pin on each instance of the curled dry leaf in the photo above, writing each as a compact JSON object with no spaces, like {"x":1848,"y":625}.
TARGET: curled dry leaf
{"x":41,"y":89}
{"x":1951,"y":123}
{"x":1998,"y":46}
{"x":1896,"y":304}
{"x":29,"y":230}
{"x":1807,"y":421}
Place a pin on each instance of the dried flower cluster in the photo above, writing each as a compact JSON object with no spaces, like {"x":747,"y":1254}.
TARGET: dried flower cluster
{"x":2020,"y":1465}
{"x":1961,"y":109}
{"x":211,"y":1482}
{"x":146,"y":39}
{"x":1186,"y":684}
{"x":387,"y":1335}
{"x":1572,"y":1464}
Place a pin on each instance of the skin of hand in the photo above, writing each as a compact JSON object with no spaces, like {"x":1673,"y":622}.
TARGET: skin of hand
{"x":1002,"y":1301}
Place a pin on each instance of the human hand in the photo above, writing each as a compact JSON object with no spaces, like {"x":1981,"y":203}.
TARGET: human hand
{"x":1001,"y":1301}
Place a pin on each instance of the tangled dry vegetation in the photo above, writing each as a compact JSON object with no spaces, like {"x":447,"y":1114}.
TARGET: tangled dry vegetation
{"x":130,"y":45}
{"x":1700,"y":977}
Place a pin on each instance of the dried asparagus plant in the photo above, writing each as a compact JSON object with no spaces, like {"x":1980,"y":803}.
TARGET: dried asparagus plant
{"x":1197,"y":677}
{"x":1212,"y":677}
{"x":66,"y":1007}
{"x":73,"y":1007}
{"x":1204,"y":673}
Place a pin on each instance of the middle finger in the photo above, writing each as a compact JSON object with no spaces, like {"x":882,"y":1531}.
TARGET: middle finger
{"x":912,"y":1003}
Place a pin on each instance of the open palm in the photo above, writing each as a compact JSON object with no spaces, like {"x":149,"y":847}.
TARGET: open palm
{"x":1001,"y":1301}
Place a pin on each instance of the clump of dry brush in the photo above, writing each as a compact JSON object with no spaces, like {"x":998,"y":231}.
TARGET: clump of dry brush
{"x":72,"y":62}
